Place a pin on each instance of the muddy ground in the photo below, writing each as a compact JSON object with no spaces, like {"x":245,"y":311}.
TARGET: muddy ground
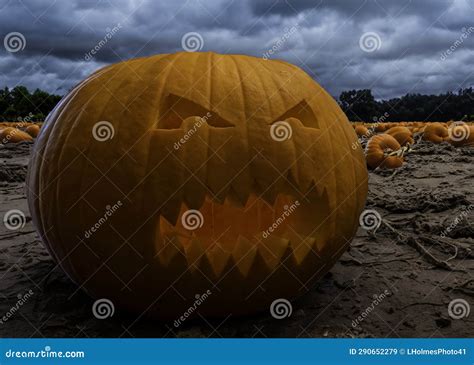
{"x":408,"y":265}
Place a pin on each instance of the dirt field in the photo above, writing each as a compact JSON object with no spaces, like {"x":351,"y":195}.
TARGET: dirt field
{"x":397,"y":282}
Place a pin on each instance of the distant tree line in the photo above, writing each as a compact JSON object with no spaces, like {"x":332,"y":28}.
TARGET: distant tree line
{"x":360,"y":105}
{"x":20,"y":103}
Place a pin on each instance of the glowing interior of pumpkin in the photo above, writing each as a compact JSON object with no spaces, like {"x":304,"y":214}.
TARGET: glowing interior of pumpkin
{"x":223,"y":223}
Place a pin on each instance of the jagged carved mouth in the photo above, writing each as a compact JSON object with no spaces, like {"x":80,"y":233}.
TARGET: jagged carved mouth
{"x":288,"y":220}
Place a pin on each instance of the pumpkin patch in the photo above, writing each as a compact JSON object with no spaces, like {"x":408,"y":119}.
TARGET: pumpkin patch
{"x":396,"y":140}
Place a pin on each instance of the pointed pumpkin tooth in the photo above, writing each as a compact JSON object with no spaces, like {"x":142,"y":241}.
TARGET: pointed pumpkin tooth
{"x":321,"y":185}
{"x":244,"y":254}
{"x":219,"y":196}
{"x":292,"y":178}
{"x":305,"y":179}
{"x":171,"y":251}
{"x":194,"y":253}
{"x":242,"y":185}
{"x":171,"y":211}
{"x":218,"y":258}
{"x":234,"y":198}
{"x":319,"y":245}
{"x":302,"y":248}
{"x":255,"y":187}
{"x":270,"y":195}
{"x":312,"y":192}
{"x":274,"y":250}
{"x":194,"y":195}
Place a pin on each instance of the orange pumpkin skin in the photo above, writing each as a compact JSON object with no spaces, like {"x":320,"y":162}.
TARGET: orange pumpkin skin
{"x":33,"y":130}
{"x":376,"y":150}
{"x":435,"y":132}
{"x":361,"y":131}
{"x":231,"y":170}
{"x":13,"y":135}
{"x":402,"y":134}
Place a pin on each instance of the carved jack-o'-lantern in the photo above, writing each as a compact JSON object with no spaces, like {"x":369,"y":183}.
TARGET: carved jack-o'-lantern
{"x":159,"y":179}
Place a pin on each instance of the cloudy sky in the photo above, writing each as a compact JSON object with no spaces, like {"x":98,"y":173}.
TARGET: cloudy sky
{"x":393,"y":47}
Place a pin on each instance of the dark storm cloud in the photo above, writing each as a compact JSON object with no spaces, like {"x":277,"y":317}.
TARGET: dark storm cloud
{"x":420,"y":46}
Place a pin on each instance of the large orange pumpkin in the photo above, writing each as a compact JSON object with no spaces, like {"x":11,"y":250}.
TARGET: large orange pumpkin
{"x":225,"y":173}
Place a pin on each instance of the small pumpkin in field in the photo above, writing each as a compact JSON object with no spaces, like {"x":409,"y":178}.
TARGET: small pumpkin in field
{"x":402,"y":134}
{"x":234,"y":174}
{"x":435,"y":132}
{"x":33,"y":130}
{"x":13,"y":135}
{"x":361,"y":131}
{"x":378,"y":152}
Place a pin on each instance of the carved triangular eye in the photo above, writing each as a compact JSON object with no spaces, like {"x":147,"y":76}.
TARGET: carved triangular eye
{"x":175,"y":109}
{"x":303,"y":112}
